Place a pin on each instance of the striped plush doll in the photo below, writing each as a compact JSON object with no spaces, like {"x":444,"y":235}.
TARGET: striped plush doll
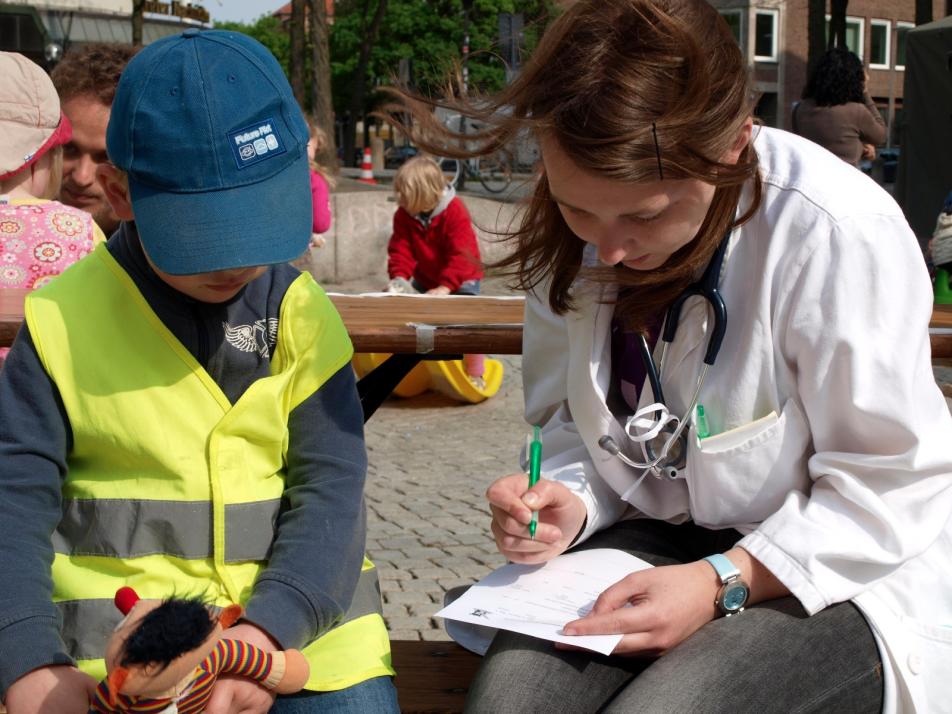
{"x":165,"y":656}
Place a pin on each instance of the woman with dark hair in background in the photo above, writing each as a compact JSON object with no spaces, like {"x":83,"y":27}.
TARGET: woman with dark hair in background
{"x":837,"y":112}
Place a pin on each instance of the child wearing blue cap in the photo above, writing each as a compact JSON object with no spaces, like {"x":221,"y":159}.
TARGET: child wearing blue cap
{"x":178,"y":413}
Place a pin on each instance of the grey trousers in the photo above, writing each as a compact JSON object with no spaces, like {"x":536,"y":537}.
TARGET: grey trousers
{"x":770,"y":658}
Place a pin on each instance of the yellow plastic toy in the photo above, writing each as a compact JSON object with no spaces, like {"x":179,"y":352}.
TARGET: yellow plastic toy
{"x":416,"y":382}
{"x":445,"y":376}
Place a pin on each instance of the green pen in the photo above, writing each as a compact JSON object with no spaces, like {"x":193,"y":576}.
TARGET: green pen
{"x":535,"y":464}
{"x":703,"y":431}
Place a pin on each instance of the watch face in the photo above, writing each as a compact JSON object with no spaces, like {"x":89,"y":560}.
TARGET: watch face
{"x":734,"y":596}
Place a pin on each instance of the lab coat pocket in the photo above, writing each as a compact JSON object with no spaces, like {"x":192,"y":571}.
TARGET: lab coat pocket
{"x":928,"y":659}
{"x":741,"y":476}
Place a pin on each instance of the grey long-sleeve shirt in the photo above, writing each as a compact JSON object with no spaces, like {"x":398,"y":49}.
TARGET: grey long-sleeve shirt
{"x":309,"y":581}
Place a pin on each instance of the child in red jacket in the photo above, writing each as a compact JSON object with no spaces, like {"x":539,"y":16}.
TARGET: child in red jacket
{"x":433,"y":248}
{"x":433,"y":245}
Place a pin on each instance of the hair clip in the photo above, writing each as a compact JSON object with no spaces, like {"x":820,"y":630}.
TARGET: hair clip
{"x":657,"y":148}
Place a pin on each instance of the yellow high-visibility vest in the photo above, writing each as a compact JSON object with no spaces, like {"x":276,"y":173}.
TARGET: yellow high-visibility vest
{"x":171,"y":489}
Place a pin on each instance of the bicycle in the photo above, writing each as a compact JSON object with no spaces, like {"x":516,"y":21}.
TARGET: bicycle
{"x":493,"y":172}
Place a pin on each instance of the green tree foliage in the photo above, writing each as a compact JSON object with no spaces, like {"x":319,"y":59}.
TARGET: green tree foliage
{"x":427,"y":32}
{"x":269,"y":32}
{"x":430,"y":34}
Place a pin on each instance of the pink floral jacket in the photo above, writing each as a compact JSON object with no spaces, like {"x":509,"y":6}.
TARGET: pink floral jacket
{"x":39,"y":240}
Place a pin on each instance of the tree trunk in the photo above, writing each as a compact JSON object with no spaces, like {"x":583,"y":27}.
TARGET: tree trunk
{"x":323,"y":104}
{"x":297,"y":59}
{"x":838,"y":23}
{"x":360,"y":81}
{"x":816,"y":33}
{"x":923,"y":12}
{"x":137,"y":6}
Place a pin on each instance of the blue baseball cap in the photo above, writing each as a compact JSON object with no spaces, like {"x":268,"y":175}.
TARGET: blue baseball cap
{"x":215,"y":147}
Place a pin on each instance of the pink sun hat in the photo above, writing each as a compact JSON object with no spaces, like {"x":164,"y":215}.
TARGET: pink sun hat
{"x":31,"y":121}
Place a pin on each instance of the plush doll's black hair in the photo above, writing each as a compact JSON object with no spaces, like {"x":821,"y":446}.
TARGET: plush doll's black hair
{"x":177,"y":626}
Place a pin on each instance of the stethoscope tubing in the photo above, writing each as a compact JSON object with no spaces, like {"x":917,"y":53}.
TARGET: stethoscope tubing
{"x":707,"y":288}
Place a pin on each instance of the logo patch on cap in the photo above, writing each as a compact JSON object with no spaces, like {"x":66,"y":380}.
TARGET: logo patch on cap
{"x":256,"y":143}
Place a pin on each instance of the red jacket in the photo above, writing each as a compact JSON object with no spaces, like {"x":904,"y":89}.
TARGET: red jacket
{"x":445,"y":252}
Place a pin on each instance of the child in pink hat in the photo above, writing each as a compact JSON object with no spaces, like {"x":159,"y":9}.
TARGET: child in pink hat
{"x":39,"y":237}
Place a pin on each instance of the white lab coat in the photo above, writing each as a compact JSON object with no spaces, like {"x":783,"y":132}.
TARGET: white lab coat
{"x":832,"y":445}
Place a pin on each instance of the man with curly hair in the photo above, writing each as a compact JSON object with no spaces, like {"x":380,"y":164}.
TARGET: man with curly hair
{"x":86,"y":81}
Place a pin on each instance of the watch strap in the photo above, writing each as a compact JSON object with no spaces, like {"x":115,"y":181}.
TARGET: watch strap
{"x":723,"y":566}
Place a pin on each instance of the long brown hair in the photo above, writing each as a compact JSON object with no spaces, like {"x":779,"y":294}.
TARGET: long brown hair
{"x":631,"y":90}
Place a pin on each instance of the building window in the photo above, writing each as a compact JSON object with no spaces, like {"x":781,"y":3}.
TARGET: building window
{"x":901,"y":29}
{"x":854,"y":34}
{"x":733,"y":18}
{"x":765,"y":35}
{"x":879,"y":44}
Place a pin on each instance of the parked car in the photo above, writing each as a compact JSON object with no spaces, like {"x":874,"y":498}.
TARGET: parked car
{"x":395,"y":156}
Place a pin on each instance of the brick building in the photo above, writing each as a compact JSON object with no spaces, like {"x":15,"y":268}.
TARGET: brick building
{"x":773,"y":36}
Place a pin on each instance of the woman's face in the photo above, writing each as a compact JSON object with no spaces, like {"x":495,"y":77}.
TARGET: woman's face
{"x":639,"y":225}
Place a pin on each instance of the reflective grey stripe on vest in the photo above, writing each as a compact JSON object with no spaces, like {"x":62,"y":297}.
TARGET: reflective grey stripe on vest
{"x":87,"y":624}
{"x":129,"y":528}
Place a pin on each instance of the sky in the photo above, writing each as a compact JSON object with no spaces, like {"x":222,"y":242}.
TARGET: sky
{"x":240,"y":10}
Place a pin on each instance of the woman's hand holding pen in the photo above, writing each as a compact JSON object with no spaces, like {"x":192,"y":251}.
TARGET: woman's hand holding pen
{"x":561,"y":516}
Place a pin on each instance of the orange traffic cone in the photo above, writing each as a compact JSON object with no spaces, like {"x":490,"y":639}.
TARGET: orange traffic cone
{"x":367,"y":168}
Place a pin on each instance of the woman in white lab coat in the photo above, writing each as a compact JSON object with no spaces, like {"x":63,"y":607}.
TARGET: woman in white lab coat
{"x":815,"y":510}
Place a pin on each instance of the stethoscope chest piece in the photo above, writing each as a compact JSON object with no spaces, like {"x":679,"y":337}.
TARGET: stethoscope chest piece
{"x":676,"y":458}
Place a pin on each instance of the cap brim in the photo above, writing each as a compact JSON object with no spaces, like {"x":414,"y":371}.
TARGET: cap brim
{"x":259,"y":224}
{"x":27,"y":144}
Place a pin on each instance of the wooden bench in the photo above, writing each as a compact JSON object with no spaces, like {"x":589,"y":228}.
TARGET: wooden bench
{"x":463,"y":324}
{"x":432,"y":677}
{"x":412,"y":328}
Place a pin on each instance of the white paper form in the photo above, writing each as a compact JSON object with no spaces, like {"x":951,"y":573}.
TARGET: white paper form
{"x":538,"y":600}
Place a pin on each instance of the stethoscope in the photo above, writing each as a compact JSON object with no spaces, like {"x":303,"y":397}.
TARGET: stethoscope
{"x":663,"y":436}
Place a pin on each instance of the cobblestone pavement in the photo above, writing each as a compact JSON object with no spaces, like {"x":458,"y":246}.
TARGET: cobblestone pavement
{"x":431,"y":459}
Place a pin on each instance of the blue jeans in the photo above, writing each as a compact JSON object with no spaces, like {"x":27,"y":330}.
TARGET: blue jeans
{"x":377,"y":695}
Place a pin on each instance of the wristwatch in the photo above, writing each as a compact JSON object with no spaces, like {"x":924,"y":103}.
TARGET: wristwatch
{"x":733,"y":594}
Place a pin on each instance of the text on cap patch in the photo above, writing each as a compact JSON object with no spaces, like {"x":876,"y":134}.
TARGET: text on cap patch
{"x":256,"y":143}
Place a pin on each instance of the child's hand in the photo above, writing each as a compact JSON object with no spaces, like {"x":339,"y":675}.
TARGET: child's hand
{"x":439,"y":290}
{"x":400,"y":286}
{"x":59,"y":689}
{"x":239,"y":695}
{"x":317,"y":240}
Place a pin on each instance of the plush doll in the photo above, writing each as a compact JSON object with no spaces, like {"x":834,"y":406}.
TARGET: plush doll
{"x":165,"y":656}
